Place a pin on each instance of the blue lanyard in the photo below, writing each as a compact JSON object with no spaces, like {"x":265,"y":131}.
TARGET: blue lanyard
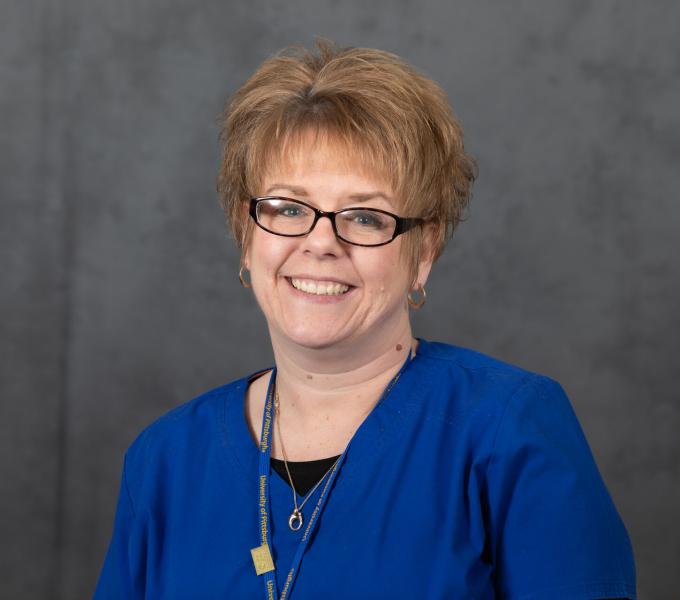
{"x":264,"y":551}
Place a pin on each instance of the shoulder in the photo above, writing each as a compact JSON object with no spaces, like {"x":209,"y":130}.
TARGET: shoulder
{"x":477,"y":377}
{"x":469,"y":360}
{"x":182,"y":431}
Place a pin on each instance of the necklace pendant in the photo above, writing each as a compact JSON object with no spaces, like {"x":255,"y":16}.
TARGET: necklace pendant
{"x":295,"y":520}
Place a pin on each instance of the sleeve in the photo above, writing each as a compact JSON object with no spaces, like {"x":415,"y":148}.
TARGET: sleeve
{"x":123,"y":571}
{"x":554,"y":530}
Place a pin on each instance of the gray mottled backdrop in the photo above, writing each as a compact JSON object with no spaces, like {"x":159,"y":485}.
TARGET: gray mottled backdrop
{"x":119,"y":295}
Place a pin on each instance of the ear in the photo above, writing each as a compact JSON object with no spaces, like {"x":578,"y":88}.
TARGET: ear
{"x":426,"y":255}
{"x":244,"y":215}
{"x":245,"y":239}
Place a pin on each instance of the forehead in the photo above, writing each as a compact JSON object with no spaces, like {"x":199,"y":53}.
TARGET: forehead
{"x":324,"y":163}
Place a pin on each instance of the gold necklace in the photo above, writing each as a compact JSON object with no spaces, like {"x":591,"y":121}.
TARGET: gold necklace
{"x":296,"y":519}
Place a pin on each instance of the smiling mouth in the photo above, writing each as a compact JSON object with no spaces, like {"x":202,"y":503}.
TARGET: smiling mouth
{"x":319,"y":288}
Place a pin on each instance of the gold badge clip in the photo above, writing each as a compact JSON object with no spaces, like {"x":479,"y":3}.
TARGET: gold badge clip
{"x":262,"y":559}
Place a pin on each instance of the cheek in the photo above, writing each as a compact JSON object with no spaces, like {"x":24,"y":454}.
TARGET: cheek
{"x":388,"y":276}
{"x":264,"y":259}
{"x":266,"y":254}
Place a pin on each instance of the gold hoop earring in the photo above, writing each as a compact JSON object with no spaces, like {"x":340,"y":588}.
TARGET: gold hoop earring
{"x":416,"y":304}
{"x":244,"y":283}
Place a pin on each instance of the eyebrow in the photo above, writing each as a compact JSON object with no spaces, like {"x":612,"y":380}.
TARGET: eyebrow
{"x":298,"y":191}
{"x":369,"y":196}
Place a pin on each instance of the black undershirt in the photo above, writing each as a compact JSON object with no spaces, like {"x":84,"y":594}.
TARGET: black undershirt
{"x":304,"y":474}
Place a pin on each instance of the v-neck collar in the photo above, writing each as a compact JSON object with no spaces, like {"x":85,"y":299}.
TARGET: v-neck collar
{"x":377,"y":430}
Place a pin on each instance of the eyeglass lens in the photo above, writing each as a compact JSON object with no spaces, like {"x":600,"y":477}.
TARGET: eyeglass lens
{"x":359,"y":226}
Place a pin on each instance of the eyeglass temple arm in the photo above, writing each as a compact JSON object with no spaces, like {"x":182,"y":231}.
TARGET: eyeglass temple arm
{"x":405,"y":224}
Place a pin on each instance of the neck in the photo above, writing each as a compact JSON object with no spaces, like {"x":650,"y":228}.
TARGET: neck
{"x":346,"y":380}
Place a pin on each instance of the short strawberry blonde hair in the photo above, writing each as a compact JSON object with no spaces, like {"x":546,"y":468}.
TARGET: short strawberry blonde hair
{"x":375,"y":108}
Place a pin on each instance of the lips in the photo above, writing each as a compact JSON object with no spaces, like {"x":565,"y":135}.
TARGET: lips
{"x":319,"y":287}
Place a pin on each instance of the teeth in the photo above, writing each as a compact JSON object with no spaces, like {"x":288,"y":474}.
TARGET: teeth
{"x":320,"y":288}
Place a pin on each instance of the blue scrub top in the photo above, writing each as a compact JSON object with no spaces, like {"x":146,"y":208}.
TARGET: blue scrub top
{"x":471,"y":479}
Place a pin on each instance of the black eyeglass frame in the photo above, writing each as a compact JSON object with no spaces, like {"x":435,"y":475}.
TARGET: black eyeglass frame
{"x":403,"y":224}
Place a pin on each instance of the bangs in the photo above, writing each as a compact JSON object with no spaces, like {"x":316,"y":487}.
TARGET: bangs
{"x":283,"y":142}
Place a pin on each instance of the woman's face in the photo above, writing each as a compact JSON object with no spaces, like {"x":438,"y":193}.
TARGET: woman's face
{"x":368,"y":286}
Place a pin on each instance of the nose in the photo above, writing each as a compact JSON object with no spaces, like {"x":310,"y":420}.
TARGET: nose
{"x":322,"y":239}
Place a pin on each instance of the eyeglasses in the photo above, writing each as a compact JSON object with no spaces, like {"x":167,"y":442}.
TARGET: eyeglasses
{"x":354,"y":225}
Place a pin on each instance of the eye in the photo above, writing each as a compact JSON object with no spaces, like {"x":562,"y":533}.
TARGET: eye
{"x":367,"y":219}
{"x":290,"y":210}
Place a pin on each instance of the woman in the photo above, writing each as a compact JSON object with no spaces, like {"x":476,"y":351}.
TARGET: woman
{"x":366,"y":464}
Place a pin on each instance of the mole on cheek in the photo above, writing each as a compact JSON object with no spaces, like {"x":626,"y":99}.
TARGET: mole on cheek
{"x":310,"y":377}
{"x":398,"y":347}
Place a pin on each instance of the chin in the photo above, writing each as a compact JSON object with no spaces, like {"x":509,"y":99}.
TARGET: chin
{"x":315,"y":340}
